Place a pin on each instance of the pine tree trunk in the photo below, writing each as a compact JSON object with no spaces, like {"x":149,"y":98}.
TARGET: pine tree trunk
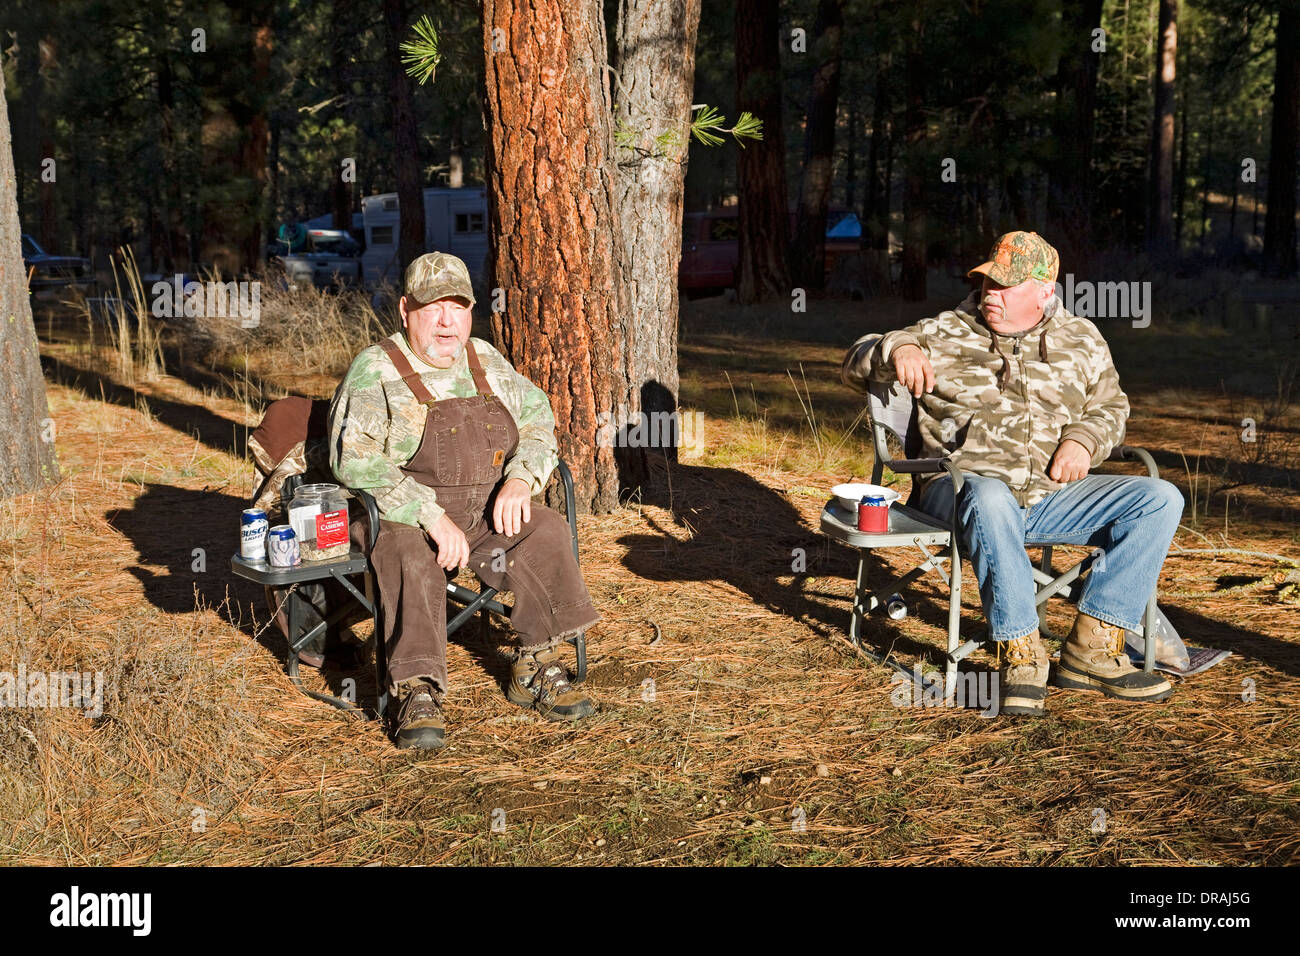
{"x":913,"y":278}
{"x":763,"y":271}
{"x":342,"y":16}
{"x":406,"y":142}
{"x":250,"y":112}
{"x":1069,"y":196}
{"x":27,"y":460}
{"x":554,"y":227}
{"x":1160,"y":199}
{"x":45,"y":104}
{"x":808,"y":255}
{"x":656,"y":73}
{"x":1279,"y":220}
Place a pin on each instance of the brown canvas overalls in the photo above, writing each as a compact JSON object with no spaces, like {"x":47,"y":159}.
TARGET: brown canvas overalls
{"x":462,"y":457}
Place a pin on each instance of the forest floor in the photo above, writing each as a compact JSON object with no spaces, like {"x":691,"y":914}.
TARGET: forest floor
{"x":751,"y":732}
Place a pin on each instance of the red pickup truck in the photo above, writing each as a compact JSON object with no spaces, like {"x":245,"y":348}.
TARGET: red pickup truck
{"x":711,"y":246}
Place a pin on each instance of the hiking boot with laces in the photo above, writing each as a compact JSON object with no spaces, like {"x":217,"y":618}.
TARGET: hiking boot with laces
{"x":1093,"y":658}
{"x":419,"y":719}
{"x":1024,"y":679}
{"x":538,"y":679}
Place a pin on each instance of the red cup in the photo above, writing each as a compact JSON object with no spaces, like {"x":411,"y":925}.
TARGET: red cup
{"x":873,"y":518}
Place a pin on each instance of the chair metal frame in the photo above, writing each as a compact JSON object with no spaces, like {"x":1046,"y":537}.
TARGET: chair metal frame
{"x":891,"y":410}
{"x":357,"y":564}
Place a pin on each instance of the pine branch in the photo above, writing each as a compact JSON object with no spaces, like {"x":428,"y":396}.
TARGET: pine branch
{"x":421,"y":54}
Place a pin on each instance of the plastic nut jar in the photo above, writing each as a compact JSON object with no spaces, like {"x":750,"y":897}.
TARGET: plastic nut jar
{"x":319,"y":517}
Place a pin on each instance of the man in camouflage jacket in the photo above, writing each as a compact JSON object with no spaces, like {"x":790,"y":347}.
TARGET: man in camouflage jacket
{"x":453,"y":443}
{"x":1023,"y":397}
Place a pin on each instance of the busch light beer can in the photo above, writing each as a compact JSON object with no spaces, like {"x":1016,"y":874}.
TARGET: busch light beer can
{"x":282,"y":547}
{"x":252,"y":534}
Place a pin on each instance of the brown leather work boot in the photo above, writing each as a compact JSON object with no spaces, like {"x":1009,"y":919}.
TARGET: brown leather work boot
{"x":1024,"y":679}
{"x":419,"y":719}
{"x":1093,"y":658}
{"x":538,"y":679}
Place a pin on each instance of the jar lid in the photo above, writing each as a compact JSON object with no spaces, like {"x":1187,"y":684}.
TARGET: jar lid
{"x":321,"y":490}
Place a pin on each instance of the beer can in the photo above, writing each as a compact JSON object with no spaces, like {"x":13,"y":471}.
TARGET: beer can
{"x":873,"y":514}
{"x":252,"y":534}
{"x":282,"y":547}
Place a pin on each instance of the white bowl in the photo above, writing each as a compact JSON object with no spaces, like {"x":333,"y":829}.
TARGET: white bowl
{"x":851,"y":494}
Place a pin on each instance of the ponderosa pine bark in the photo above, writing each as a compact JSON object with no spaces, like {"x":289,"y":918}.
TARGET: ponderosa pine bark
{"x":808,"y":254}
{"x":27,"y":460}
{"x":406,"y":143}
{"x":1069,"y":193}
{"x":763,"y":271}
{"x":1279,"y":221}
{"x":656,"y":74}
{"x":1160,"y":195}
{"x":553,"y":225}
{"x":912,"y":278}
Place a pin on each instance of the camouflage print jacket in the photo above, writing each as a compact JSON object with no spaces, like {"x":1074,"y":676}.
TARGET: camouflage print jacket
{"x":1003,"y":403}
{"x":376,"y":425}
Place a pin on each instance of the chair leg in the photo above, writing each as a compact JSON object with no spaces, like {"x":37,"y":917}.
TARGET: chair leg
{"x":579,"y":643}
{"x":1045,"y":565}
{"x":954,"y":616}
{"x":860,"y":594}
{"x":381,"y":653}
{"x":1149,"y":635}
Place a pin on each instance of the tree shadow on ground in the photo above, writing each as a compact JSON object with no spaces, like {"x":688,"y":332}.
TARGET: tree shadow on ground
{"x":746,"y":535}
{"x":214,"y":431}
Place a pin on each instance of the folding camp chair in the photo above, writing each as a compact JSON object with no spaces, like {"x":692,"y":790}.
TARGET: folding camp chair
{"x":357,"y":565}
{"x":892,"y":412}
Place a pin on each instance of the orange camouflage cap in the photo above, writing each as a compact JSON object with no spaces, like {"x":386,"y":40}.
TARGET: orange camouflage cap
{"x":1018,"y":256}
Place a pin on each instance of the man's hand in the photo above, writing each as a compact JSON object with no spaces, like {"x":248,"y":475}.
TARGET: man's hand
{"x":914,"y":369}
{"x":1070,"y":462}
{"x":453,"y":547}
{"x":513,"y":508}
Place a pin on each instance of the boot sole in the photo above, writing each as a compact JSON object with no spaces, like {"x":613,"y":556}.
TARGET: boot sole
{"x":1024,"y":699}
{"x":529,"y":702}
{"x":424,"y":739}
{"x":1074,"y":680}
{"x":1018,"y":706}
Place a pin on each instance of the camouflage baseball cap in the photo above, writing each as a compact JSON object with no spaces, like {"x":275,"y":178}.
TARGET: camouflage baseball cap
{"x":438,"y":275}
{"x":1018,"y":256}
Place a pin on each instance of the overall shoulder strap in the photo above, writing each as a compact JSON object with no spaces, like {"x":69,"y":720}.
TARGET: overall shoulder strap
{"x":409,"y":375}
{"x":476,"y":369}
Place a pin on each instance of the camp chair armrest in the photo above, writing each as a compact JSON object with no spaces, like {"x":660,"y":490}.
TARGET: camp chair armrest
{"x":1133,"y":453}
{"x":372,"y":516}
{"x":923,"y":465}
{"x":915,"y":465}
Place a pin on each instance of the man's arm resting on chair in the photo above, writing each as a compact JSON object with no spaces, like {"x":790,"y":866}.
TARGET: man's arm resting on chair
{"x":866,"y":363}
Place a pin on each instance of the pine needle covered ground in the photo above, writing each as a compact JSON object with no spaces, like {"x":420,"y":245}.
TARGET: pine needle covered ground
{"x":750,"y":731}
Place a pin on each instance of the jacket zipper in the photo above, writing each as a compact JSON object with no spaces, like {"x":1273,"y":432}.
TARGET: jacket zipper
{"x":1029,"y":420}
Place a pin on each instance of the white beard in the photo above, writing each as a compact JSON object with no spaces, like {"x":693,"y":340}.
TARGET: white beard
{"x":455,"y":356}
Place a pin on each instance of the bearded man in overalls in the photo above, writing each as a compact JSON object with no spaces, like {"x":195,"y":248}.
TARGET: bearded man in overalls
{"x":453,"y":443}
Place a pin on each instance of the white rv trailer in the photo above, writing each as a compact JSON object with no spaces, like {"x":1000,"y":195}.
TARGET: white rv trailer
{"x":455,"y":221}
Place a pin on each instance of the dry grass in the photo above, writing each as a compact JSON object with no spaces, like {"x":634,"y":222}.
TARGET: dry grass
{"x":760,"y":714}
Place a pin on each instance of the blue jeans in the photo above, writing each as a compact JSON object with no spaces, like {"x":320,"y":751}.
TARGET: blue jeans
{"x":1131,"y":519}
